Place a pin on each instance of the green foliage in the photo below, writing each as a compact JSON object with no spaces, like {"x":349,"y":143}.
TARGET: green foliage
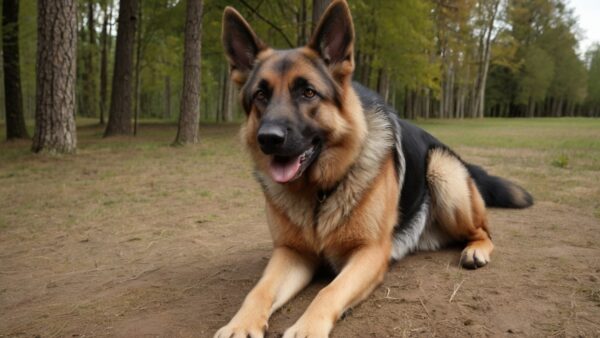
{"x":430,"y":49}
{"x":399,"y":36}
{"x":593,"y":97}
{"x":549,"y":71}
{"x":536,"y":75}
{"x":562,"y":161}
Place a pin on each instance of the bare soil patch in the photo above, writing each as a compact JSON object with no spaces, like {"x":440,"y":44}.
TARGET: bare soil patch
{"x":134,"y":238}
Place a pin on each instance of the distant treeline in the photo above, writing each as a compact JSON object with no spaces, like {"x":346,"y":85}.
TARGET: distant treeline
{"x":428,"y":58}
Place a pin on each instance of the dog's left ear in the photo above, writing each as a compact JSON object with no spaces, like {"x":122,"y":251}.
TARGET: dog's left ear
{"x":333,"y":39}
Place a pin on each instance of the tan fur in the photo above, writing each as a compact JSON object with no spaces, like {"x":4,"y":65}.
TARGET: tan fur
{"x":285,"y":275}
{"x":458,"y":208}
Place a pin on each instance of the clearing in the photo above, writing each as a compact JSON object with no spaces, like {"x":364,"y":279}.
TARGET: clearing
{"x":133,"y":238}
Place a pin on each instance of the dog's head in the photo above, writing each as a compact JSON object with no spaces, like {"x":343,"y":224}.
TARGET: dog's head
{"x":304,"y":122}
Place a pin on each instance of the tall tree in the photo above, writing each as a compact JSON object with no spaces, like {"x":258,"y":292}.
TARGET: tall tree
{"x":119,"y":120}
{"x":593,"y":97}
{"x":138,"y":58}
{"x":13,"y":96}
{"x":89,"y":97}
{"x":56,"y":71}
{"x":488,"y":10}
{"x":190,"y":97}
{"x":104,"y":40}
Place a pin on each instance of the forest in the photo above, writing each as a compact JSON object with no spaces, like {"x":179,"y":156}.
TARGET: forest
{"x":428,"y":59}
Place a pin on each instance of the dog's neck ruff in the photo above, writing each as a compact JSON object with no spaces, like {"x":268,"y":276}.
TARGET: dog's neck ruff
{"x":327,"y":210}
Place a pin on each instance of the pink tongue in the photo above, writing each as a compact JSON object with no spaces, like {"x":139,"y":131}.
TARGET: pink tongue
{"x":284,"y":172}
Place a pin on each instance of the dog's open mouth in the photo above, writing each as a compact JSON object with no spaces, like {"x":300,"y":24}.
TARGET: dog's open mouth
{"x":285,"y":169}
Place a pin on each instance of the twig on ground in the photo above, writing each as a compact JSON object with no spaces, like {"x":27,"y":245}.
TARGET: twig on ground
{"x":456,"y":287}
{"x":424,"y":308}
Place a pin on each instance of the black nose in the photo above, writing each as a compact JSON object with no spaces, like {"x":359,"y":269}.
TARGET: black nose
{"x":271,"y":137}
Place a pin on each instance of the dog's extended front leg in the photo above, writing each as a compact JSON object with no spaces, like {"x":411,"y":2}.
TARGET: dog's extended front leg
{"x":363,"y":272}
{"x":286,"y":274}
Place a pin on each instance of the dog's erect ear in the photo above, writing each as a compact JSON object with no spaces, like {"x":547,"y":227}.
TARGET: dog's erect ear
{"x":333,"y":38}
{"x":240,"y":43}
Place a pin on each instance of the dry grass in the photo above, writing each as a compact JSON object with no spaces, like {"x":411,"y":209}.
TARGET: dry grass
{"x":133,"y":237}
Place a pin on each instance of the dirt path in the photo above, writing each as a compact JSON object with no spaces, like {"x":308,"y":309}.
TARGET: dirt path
{"x":143,"y":240}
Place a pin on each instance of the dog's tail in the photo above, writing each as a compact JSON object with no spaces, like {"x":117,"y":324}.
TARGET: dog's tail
{"x":499,"y":192}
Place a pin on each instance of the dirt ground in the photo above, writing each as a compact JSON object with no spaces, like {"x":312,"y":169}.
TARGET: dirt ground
{"x":134,"y":238}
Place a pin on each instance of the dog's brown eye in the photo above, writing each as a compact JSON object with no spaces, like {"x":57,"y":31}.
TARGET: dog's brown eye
{"x":309,"y":93}
{"x":260,"y":95}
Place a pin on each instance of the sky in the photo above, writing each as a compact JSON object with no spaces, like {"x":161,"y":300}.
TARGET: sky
{"x":588,"y":12}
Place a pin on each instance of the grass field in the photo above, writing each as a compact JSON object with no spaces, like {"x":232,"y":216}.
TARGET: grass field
{"x":134,"y":237}
{"x":542,"y":152}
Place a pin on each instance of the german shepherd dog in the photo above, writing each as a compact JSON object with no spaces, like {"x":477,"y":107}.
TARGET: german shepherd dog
{"x":346,"y":182}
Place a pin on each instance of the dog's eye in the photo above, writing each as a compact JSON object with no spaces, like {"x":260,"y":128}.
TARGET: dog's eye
{"x":309,"y":93}
{"x":260,"y":95}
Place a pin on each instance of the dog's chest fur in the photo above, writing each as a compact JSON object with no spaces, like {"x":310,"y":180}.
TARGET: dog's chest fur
{"x":318,"y":215}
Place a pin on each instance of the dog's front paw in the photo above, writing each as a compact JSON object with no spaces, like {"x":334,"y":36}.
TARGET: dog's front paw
{"x":473,"y":258}
{"x":238,"y":329}
{"x":309,"y":329}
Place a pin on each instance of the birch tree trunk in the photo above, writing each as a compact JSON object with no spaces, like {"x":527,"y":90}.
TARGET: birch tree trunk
{"x":485,"y":61}
{"x":56,"y":72}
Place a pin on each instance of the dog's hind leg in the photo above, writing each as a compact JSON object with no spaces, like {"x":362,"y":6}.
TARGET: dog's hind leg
{"x":458,"y":208}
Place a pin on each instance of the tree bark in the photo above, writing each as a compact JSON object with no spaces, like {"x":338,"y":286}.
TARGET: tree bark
{"x":89,"y":99}
{"x":167,"y":113}
{"x":190,"y":98}
{"x":427,"y":109}
{"x":119,"y":119}
{"x":383,"y":85}
{"x":138,"y":57}
{"x":104,"y":61}
{"x":56,"y":72}
{"x":302,"y":24}
{"x":227,"y":111}
{"x":319,"y":7}
{"x":13,"y":95}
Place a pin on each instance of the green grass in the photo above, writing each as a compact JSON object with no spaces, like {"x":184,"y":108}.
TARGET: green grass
{"x":558,"y":160}
{"x":540,"y":133}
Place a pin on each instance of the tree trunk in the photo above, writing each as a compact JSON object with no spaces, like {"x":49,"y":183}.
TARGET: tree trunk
{"x":167,"y":113}
{"x":383,"y":84}
{"x":485,"y":62}
{"x":56,"y":72}
{"x":104,"y":61}
{"x":137,"y":84}
{"x":302,"y":24}
{"x":560,"y":111}
{"x":319,"y":6}
{"x":227,"y":112}
{"x":427,"y":109}
{"x":89,"y":99}
{"x":13,"y":96}
{"x":531,"y":108}
{"x":190,"y":98}
{"x":119,"y":119}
